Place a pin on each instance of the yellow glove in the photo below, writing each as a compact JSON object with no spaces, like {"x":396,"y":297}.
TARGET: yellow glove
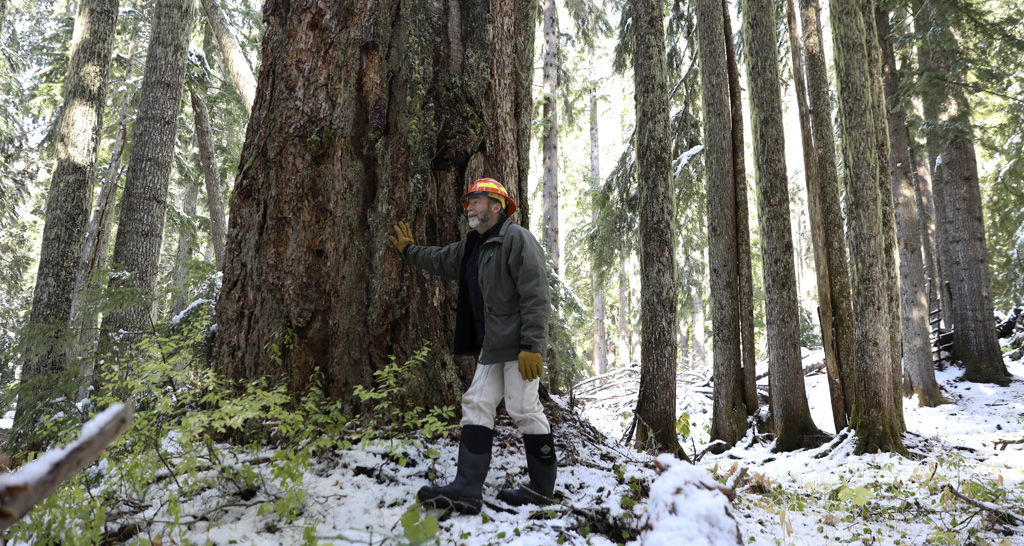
{"x":404,"y":236}
{"x":530,"y":365}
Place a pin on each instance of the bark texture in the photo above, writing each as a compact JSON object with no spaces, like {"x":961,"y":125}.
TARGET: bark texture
{"x":817,"y":226}
{"x":729,"y":413}
{"x":366,"y":114}
{"x":840,"y":291}
{"x":748,"y":346}
{"x":873,"y":416}
{"x":550,"y":142}
{"x":186,"y":247}
{"x":960,"y":227}
{"x":879,"y":120}
{"x":656,"y":405}
{"x":600,"y":334}
{"x":238,"y":65}
{"x":917,"y":351}
{"x":211,"y":176}
{"x":72,"y":181}
{"x":790,"y":411}
{"x":140,"y":230}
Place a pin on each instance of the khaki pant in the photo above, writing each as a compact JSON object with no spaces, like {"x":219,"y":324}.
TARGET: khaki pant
{"x":491,"y":382}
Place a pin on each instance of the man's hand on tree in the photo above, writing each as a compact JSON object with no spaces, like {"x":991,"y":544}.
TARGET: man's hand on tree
{"x":530,"y":365}
{"x":403,"y":236}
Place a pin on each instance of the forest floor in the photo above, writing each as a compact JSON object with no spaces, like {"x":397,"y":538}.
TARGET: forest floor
{"x":963,"y":484}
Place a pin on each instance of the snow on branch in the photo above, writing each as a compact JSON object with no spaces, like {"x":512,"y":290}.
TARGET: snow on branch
{"x":34,"y":481}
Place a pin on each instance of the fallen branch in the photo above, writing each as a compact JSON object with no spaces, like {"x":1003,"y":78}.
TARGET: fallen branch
{"x":34,"y":481}
{"x":1002,"y":514}
{"x":1005,"y":443}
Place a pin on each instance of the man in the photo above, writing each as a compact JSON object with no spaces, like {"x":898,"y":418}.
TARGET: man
{"x":501,"y":317}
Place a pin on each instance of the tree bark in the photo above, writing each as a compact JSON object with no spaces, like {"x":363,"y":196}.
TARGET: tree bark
{"x":926,"y":215}
{"x":960,"y":227}
{"x":656,"y":405}
{"x":887,"y":209}
{"x":186,"y":247}
{"x":140,"y":230}
{"x":791,"y":413}
{"x":600,"y":335}
{"x":748,"y":346}
{"x":238,"y":65}
{"x":917,"y":353}
{"x":873,"y":416}
{"x":550,"y":142}
{"x":840,"y":295}
{"x":366,"y":115}
{"x":817,"y":226}
{"x":211,"y":176}
{"x":71,"y":185}
{"x":729,"y":413}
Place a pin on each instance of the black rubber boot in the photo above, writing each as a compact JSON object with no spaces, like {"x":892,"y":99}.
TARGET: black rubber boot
{"x":541,"y":463}
{"x":464,"y":494}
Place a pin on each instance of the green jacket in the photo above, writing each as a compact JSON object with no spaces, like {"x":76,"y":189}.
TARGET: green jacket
{"x":514,"y":284}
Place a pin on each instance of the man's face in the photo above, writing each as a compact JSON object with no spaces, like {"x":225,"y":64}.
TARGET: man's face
{"x":482,"y":212}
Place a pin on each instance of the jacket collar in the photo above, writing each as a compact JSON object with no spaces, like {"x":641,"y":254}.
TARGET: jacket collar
{"x":495,"y":233}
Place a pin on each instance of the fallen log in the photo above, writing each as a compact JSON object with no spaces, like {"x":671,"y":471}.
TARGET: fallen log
{"x":34,"y":481}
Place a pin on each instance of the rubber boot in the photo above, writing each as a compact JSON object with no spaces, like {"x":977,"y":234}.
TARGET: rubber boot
{"x":464,"y":494}
{"x":541,"y":464}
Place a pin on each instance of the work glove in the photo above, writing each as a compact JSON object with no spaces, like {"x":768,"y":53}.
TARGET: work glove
{"x":403,"y":236}
{"x":530,"y":365}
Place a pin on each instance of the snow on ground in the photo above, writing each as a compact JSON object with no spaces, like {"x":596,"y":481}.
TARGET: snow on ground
{"x":610,"y":494}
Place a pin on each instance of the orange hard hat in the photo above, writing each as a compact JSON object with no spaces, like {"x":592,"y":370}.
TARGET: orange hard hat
{"x":493,"y":189}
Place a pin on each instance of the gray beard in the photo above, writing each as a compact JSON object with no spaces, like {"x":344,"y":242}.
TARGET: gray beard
{"x":474,"y":222}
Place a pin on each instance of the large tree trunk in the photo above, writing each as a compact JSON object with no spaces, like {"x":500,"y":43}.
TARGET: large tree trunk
{"x":364,"y":116}
{"x":600,"y":335}
{"x":963,"y":256}
{"x":211,"y":176}
{"x":238,"y":65}
{"x":790,"y":411}
{"x":873,"y":417}
{"x":840,"y":292}
{"x":186,"y":247}
{"x":729,"y":413}
{"x":140,"y":230}
{"x":917,"y":353}
{"x":817,"y":226}
{"x":887,"y":209}
{"x":744,"y":258}
{"x":71,"y":185}
{"x":97,"y":239}
{"x":656,"y":405}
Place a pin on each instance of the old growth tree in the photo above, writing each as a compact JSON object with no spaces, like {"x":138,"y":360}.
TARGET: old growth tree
{"x":366,"y":114}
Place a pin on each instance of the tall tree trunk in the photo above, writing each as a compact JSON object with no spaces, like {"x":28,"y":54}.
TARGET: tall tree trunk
{"x":744,"y":260}
{"x":840,"y":291}
{"x":926,"y":215}
{"x":917,"y":354}
{"x":550,"y":158}
{"x":625,"y":350}
{"x":350,"y":133}
{"x":700,"y":352}
{"x":71,"y":185}
{"x":238,"y":65}
{"x":817,"y":226}
{"x":186,"y":246}
{"x":873,"y":417}
{"x":963,"y":255}
{"x":887,"y":209}
{"x":211,"y":176}
{"x":140,"y":230}
{"x":600,"y":335}
{"x":729,"y":413}
{"x":656,"y":405}
{"x":791,"y":413}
